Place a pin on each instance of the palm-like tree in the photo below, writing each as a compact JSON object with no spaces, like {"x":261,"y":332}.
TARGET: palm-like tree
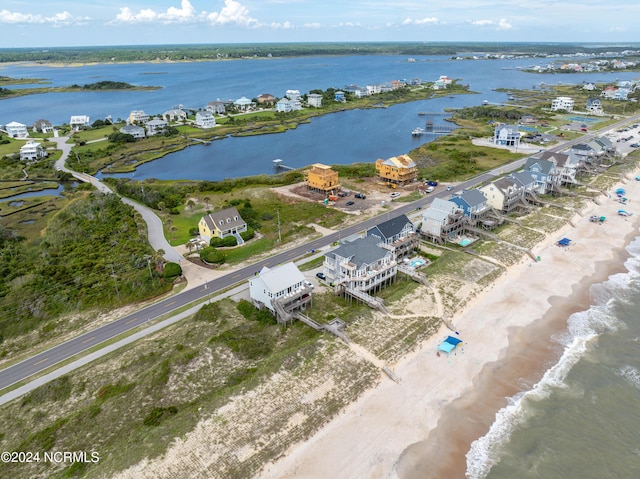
{"x":206,"y":200}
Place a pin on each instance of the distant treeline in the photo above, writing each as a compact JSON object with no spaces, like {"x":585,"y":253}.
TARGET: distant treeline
{"x":210,"y":52}
{"x":105,"y":85}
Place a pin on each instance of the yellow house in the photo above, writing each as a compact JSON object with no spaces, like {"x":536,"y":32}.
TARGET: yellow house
{"x":399,"y":170}
{"x":322,"y":178}
{"x":221,"y":224}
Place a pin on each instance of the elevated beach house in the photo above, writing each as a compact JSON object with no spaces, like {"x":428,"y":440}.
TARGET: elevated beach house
{"x":133,"y":130}
{"x":562,"y":103}
{"x":400,"y":170}
{"x":221,"y":224}
{"x":78,"y":122}
{"x":314,"y":99}
{"x":16,"y":130}
{"x":543,"y":172}
{"x":361,"y":265}
{"x":398,"y":235}
{"x":322,"y":178}
{"x":282,"y":290}
{"x":565,"y":165}
{"x":156,"y":127}
{"x":175,"y":114}
{"x":31,"y":151}
{"x":504,"y":194}
{"x":42,"y":126}
{"x":442,"y":221}
{"x":138,"y":117}
{"x":205,"y":119}
{"x":506,"y":135}
{"x":473,"y":203}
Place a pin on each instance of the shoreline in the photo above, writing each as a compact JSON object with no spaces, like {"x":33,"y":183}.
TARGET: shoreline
{"x":391,"y":425}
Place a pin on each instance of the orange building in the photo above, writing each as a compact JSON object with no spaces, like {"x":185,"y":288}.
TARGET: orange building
{"x":399,"y":170}
{"x":322,"y":178}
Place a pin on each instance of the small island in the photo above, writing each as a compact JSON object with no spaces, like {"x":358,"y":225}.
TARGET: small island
{"x":98,"y":86}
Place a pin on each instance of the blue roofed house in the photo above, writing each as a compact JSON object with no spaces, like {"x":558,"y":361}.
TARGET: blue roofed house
{"x":565,"y":165}
{"x":543,"y":172}
{"x":473,"y":203}
{"x":397,"y":234}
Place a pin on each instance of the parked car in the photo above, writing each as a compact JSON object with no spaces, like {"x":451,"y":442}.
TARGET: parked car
{"x":450,"y":187}
{"x":350,"y":203}
{"x":395,"y":194}
{"x":342,"y":194}
{"x":429,"y":189}
{"x":321,"y":276}
{"x":432,"y":183}
{"x":361,"y":196}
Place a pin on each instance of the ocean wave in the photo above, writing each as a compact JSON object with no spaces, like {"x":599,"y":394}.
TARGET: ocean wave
{"x":631,"y":375}
{"x":582,"y":327}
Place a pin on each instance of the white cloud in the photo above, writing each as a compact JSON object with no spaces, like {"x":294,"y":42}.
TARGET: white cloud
{"x":232,"y":12}
{"x":313,"y":25}
{"x":186,"y":13}
{"x":58,"y":19}
{"x":421,"y":21}
{"x":482,"y":23}
{"x":283,"y":26}
{"x":503,"y":24}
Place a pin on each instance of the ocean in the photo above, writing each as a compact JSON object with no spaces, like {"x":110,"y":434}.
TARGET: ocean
{"x":581,"y":419}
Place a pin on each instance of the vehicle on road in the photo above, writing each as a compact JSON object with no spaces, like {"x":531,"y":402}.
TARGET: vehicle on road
{"x":395,"y":195}
{"x":429,"y":189}
{"x":362,"y":196}
{"x":450,"y":187}
{"x":321,"y":276}
{"x":350,"y":203}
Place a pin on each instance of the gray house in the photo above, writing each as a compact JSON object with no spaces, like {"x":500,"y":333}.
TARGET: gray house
{"x":397,"y":234}
{"x":543,"y":172}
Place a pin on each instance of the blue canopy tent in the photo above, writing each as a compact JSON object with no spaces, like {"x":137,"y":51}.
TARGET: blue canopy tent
{"x":449,"y":344}
{"x":564,"y":242}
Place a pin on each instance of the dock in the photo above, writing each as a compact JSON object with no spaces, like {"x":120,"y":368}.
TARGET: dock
{"x":278,"y":165}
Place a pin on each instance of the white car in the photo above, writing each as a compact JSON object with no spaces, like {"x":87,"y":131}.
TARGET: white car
{"x":395,"y":195}
{"x":450,"y":187}
{"x":430,"y":189}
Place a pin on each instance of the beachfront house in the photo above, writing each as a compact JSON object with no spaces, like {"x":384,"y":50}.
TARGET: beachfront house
{"x":398,"y":170}
{"x":42,"y":126}
{"x":156,"y":127}
{"x":322,"y":178}
{"x":216,"y":107}
{"x":138,"y":117}
{"x":244,"y":104}
{"x":175,"y":114}
{"x":31,"y":151}
{"x":543,"y":172}
{"x":565,"y":165}
{"x":442,"y":83}
{"x":397,"y":235}
{"x":314,"y":99}
{"x":16,"y":130}
{"x":562,"y":103}
{"x":221,"y":224}
{"x":293,"y":95}
{"x":266,"y":99}
{"x":360,"y":265}
{"x":282,"y":290}
{"x":79,"y":122}
{"x":473,"y":203}
{"x":285,"y":105}
{"x":506,"y":135}
{"x":205,"y":119}
{"x":525,"y":180}
{"x":442,"y":221}
{"x":133,"y":130}
{"x":504,"y":194}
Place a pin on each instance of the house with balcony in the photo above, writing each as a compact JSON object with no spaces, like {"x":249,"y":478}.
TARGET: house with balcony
{"x":374,"y":89}
{"x":138,"y":117}
{"x":221,"y":224}
{"x":32,"y":151}
{"x":562,"y":103}
{"x":134,"y":130}
{"x":361,"y":265}
{"x":79,"y":122}
{"x":156,"y":127}
{"x":473,"y":203}
{"x":282,"y":290}
{"x":314,"y":99}
{"x":285,"y":105}
{"x":216,"y":107}
{"x":16,"y":130}
{"x":398,"y":235}
{"x":443,"y":221}
{"x":175,"y":114}
{"x":594,"y":105}
{"x":42,"y":126}
{"x":244,"y":104}
{"x":321,"y":178}
{"x":543,"y":173}
{"x":442,"y":83}
{"x":506,"y":135}
{"x":293,"y":94}
{"x":399,"y":170}
{"x":505,"y":195}
{"x":205,"y":119}
{"x":565,"y":165}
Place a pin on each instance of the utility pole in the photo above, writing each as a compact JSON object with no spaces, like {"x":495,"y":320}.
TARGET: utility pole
{"x":279,"y":236}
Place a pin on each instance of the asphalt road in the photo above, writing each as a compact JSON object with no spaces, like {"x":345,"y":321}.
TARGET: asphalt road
{"x":35,"y":364}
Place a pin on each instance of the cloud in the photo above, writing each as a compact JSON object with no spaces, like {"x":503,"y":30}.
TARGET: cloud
{"x":283,"y":26}
{"x":501,"y":24}
{"x":313,"y":25}
{"x":186,"y":13}
{"x":58,"y":19}
{"x":232,"y":12}
{"x":421,"y":21}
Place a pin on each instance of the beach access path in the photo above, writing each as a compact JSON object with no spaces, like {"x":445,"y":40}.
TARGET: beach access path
{"x":371,"y":435}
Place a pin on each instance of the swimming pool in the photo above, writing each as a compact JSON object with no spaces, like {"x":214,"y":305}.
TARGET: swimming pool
{"x":417,"y":263}
{"x":466,"y":242}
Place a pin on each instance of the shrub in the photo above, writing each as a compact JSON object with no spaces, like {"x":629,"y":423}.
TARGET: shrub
{"x":223,"y":242}
{"x":247,"y":235}
{"x":172,"y":270}
{"x":158,"y":414}
{"x":212,"y":256}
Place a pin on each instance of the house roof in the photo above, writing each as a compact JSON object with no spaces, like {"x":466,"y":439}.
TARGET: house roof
{"x":280,"y":277}
{"x":546,"y":166}
{"x":15,"y":123}
{"x":472,"y":197}
{"x":401,"y":161}
{"x":505,"y":184}
{"x":227,"y":216}
{"x":130,"y":129}
{"x":558,"y":159}
{"x":437,"y":215}
{"x":204,"y":114}
{"x":391,"y":227}
{"x":523,"y":177}
{"x":446,"y":206}
{"x":156,"y":122}
{"x":360,"y":251}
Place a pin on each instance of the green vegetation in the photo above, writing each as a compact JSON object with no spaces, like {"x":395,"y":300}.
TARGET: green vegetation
{"x":99,"y":86}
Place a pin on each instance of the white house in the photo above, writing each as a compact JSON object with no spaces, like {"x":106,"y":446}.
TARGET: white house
{"x":43,"y":126}
{"x":138,"y":117}
{"x":292,"y":94}
{"x":133,"y":130}
{"x":442,"y":221}
{"x":205,"y":119}
{"x":562,"y":103}
{"x":507,"y":135}
{"x":79,"y":121}
{"x":32,"y":150}
{"x":314,"y":99}
{"x":156,"y":126}
{"x":16,"y":130}
{"x":216,"y":107}
{"x":175,"y":114}
{"x":374,"y":89}
{"x":243,"y":104}
{"x":281,"y":290}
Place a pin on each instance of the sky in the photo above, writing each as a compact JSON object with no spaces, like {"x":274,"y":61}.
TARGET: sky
{"x":26,"y":23}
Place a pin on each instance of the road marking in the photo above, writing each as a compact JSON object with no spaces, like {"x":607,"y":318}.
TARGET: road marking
{"x":170,"y":303}
{"x":89,"y":339}
{"x":236,"y":275}
{"x":41,"y":361}
{"x":132,"y":320}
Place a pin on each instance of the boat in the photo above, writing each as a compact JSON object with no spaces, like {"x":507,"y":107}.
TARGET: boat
{"x":485,"y":102}
{"x":624,"y":213}
{"x":511,"y":98}
{"x":417,"y":131}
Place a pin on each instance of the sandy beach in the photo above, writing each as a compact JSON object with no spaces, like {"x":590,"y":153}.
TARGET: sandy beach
{"x":423,"y":426}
